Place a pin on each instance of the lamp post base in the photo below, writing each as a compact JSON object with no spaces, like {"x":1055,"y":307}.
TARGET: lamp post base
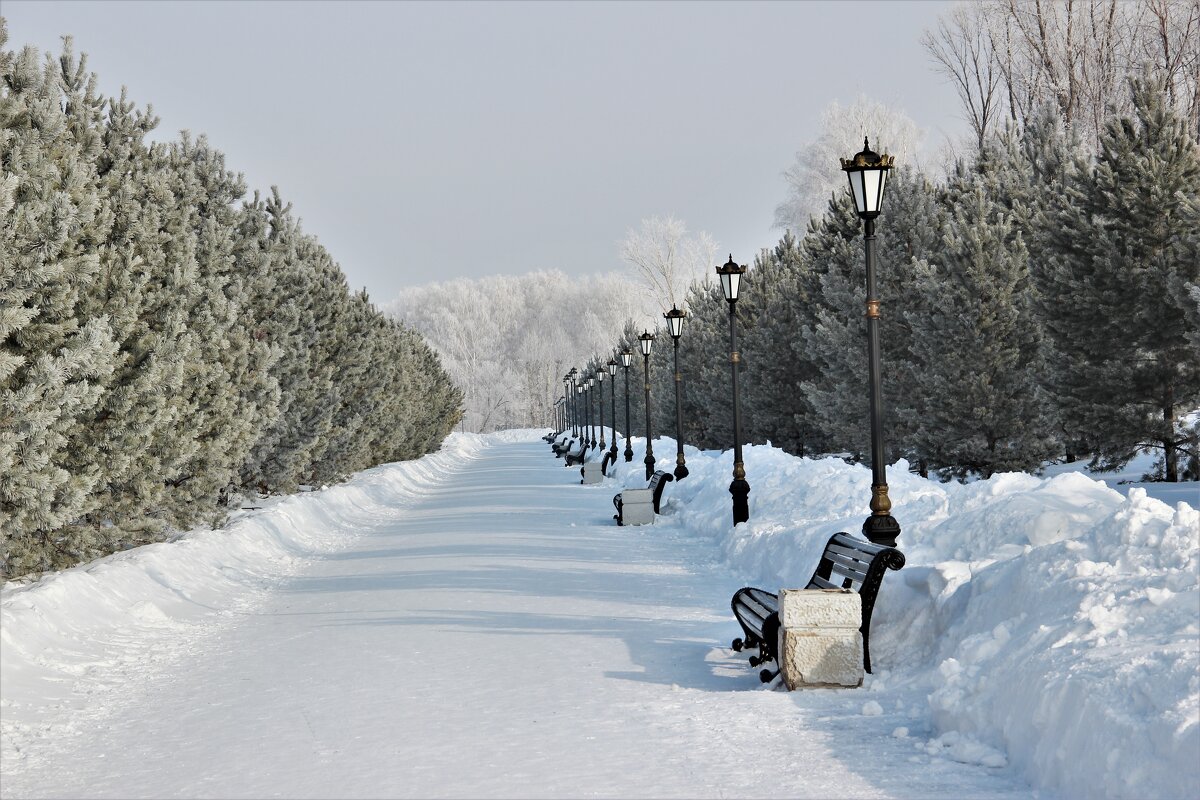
{"x":628,"y":454}
{"x":740,"y":490}
{"x":681,"y":470}
{"x":881,"y":529}
{"x":649,"y":460}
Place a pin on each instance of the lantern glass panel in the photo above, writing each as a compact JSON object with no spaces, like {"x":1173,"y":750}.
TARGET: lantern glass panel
{"x":626,"y":358}
{"x":612,"y":366}
{"x":600,"y":376}
{"x":647,"y":343}
{"x":856,"y":187}
{"x":730,"y":284}
{"x":872,"y":189}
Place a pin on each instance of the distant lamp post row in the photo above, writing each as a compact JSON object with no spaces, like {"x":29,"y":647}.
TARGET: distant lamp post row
{"x":867,"y":172}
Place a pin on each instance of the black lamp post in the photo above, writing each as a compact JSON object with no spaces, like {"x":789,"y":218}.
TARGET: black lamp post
{"x":600,"y":402}
{"x":612,"y":373}
{"x":867,"y":172}
{"x":589,"y":434}
{"x":579,"y":409}
{"x":646,"y":340}
{"x":574,"y":404}
{"x":626,"y":360}
{"x":565,"y":411}
{"x":591,"y":385}
{"x":731,"y":278}
{"x":675,"y":319}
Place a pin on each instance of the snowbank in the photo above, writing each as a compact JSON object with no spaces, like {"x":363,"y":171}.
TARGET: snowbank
{"x":1054,"y":623}
{"x":72,"y":633}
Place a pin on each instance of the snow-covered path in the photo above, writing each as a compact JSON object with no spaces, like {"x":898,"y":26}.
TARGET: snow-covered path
{"x":499,"y":636}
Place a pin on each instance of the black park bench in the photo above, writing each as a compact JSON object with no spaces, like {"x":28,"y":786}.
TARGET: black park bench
{"x":847,"y":563}
{"x":561,"y":446}
{"x":578,"y":457}
{"x":658,"y":482}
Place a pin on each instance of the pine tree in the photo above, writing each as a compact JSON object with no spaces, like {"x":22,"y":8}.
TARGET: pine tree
{"x":1122,"y":252}
{"x":976,"y":341}
{"x":229,"y":384}
{"x":50,"y":359}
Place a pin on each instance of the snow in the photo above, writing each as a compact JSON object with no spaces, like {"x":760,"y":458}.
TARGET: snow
{"x":475,"y":624}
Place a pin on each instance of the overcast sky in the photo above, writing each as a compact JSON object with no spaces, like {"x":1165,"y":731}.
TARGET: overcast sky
{"x":427,"y":141}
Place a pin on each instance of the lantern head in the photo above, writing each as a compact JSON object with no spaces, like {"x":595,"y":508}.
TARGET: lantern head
{"x":675,"y":319}
{"x":867,"y":171}
{"x":646,"y":340}
{"x":731,"y":278}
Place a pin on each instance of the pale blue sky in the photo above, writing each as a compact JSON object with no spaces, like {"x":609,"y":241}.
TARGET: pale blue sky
{"x":426,"y":141}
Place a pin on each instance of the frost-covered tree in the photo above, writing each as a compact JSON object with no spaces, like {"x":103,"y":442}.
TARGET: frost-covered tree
{"x":666,"y":260}
{"x":51,"y":360}
{"x":1008,"y":58}
{"x":508,"y":340}
{"x":228,"y":391}
{"x":816,"y":173}
{"x":1122,"y":252}
{"x":152,"y":331}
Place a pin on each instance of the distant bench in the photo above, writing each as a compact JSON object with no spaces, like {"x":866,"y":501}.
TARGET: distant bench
{"x":562,"y":446}
{"x":634,"y":505}
{"x":847,"y":563}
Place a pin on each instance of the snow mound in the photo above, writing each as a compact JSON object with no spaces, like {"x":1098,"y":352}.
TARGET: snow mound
{"x":91,"y":628}
{"x":1054,"y":623}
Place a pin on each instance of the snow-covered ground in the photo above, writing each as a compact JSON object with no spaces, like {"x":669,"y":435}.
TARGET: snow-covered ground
{"x":474,"y":624}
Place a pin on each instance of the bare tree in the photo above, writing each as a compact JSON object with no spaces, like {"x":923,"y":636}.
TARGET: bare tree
{"x":816,"y":173}
{"x":667,"y":260}
{"x":962,"y":44}
{"x":1077,"y":55}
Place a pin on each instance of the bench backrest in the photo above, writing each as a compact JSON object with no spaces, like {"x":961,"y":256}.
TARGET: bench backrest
{"x":658,"y":482}
{"x":851,"y":563}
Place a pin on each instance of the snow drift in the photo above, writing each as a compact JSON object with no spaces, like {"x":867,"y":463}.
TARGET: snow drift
{"x":1054,"y":623}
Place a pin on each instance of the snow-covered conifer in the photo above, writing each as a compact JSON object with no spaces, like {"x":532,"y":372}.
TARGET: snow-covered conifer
{"x":1122,"y":250}
{"x":52,"y":359}
{"x":976,"y":342}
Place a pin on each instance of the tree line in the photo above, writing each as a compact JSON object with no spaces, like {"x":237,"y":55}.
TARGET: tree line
{"x":1039,"y":303}
{"x":168,"y":344}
